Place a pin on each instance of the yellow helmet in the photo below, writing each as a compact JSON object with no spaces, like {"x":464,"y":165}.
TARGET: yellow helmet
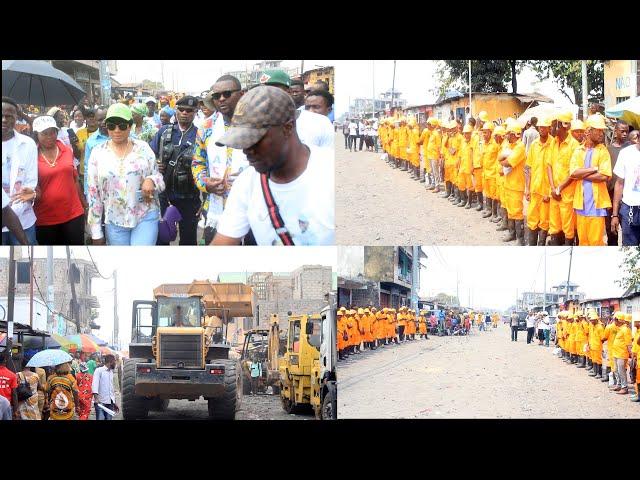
{"x":360,"y":311}
{"x":483,"y":116}
{"x":618,"y":315}
{"x":433,"y":121}
{"x":366,"y":310}
{"x":628,"y":317}
{"x":467,"y":129}
{"x":499,"y":130}
{"x":513,"y":127}
{"x":565,"y":116}
{"x":577,"y":125}
{"x":340,"y":312}
{"x":488,"y":126}
{"x":596,"y":121}
{"x":544,"y":122}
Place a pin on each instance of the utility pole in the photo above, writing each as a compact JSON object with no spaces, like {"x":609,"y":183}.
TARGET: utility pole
{"x":162,"y":72}
{"x":585,"y":91}
{"x":415,"y":274}
{"x":51,"y":324}
{"x":301,"y":69}
{"x":116,"y":323}
{"x":393,"y":84}
{"x":105,"y":82}
{"x":373,"y":89}
{"x":74,"y":301}
{"x":544,"y":296}
{"x":470,"y":110}
{"x":569,"y":275}
{"x":31,"y":286}
{"x":10,"y":301}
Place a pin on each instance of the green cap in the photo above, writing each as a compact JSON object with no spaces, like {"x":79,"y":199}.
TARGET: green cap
{"x":119,"y":110}
{"x":275,"y":77}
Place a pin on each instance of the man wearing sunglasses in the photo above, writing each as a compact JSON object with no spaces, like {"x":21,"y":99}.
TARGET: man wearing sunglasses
{"x":174,"y":145}
{"x":216,"y":167}
{"x":286,"y":196}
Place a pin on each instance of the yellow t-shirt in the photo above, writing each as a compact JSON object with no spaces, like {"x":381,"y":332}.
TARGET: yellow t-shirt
{"x":514,"y":180}
{"x":560,"y":161}
{"x":434,"y":144}
{"x":601,"y":159}
{"x":622,"y":340}
{"x":537,"y":160}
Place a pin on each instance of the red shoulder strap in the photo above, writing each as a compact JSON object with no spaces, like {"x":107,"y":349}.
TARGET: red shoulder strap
{"x":274,"y":213}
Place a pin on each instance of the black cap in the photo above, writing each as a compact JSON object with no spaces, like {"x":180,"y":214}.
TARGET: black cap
{"x":188,"y":101}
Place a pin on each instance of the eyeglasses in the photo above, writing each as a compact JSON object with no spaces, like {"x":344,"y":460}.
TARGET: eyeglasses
{"x":121,"y":125}
{"x":185,"y":110}
{"x":225,"y":94}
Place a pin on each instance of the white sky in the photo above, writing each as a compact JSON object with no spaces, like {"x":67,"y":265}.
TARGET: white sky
{"x":141,"y":269}
{"x":194,"y":76}
{"x":495,"y":273}
{"x":414,"y":78}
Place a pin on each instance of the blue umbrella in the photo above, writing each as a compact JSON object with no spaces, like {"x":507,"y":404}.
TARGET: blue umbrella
{"x":98,"y":341}
{"x":49,"y":358}
{"x":36,"y":82}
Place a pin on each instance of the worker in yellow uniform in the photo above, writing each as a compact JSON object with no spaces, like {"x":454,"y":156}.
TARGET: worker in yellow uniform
{"x":562,"y":223}
{"x":621,"y":353}
{"x":342,"y":334}
{"x":494,"y":320}
{"x":610,"y":331}
{"x":560,"y":334}
{"x":381,"y":322}
{"x":422,"y":325}
{"x":413,"y":149}
{"x":432,"y":152}
{"x":465,"y":168}
{"x":581,"y":339}
{"x":635,"y":353}
{"x":401,"y":323}
{"x":570,"y":339}
{"x":403,"y":144}
{"x":425,"y":166}
{"x":499,"y":134}
{"x":369,"y":333}
{"x":393,"y":142}
{"x":513,"y":165}
{"x":578,"y":131}
{"x":393,"y":328}
{"x":596,"y":332}
{"x":488,"y":160}
{"x":451,"y":155}
{"x":591,"y":169}
{"x":355,"y":332}
{"x":361,"y":319}
{"x":537,"y":191}
{"x":477,"y":146}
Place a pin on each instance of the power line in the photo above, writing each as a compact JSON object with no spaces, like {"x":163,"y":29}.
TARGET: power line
{"x":38,"y":287}
{"x":96,"y":267}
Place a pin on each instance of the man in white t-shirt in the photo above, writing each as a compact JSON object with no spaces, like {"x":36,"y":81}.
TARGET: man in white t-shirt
{"x":286,"y":196}
{"x":626,"y":196}
{"x":353,"y":135}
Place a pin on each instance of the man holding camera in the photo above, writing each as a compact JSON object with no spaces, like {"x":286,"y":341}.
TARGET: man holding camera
{"x":174,"y":145}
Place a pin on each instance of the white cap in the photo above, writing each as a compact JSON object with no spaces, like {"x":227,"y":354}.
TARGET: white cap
{"x":40,"y":124}
{"x":151,"y":99}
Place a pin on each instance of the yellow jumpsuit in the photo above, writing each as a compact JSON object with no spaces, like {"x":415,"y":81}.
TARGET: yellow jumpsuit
{"x":424,"y":142}
{"x":596,"y":332}
{"x":414,"y":149}
{"x":609,"y":336}
{"x":489,"y":155}
{"x":514,"y":181}
{"x":477,"y":145}
{"x":342,"y":329}
{"x":561,"y":212}
{"x":560,"y":333}
{"x":537,"y":160}
{"x":571,"y":338}
{"x":433,"y":147}
{"x":500,"y":176}
{"x":403,"y":142}
{"x":465,"y":166}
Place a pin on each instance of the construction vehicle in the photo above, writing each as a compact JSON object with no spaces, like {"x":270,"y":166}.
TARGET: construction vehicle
{"x":265,"y":347}
{"x":308,"y":368}
{"x":179,"y":348}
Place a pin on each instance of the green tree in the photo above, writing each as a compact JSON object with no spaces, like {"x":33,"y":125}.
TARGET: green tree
{"x":487,"y":76}
{"x":443,"y":298}
{"x":568,"y":74}
{"x":631,"y":268}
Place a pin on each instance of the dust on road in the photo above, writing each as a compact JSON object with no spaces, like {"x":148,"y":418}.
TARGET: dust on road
{"x":483,"y":375}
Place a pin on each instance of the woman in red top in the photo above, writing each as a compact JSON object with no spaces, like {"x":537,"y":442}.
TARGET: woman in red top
{"x":60,"y":202}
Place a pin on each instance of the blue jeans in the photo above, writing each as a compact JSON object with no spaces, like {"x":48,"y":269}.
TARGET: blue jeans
{"x":630,"y":234}
{"x":9,"y":238}
{"x":145,"y":233}
{"x":546,"y":337}
{"x":101,"y":414}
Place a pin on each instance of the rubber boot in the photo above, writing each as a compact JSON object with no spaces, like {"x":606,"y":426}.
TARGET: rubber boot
{"x":520,"y":232}
{"x":504,"y":224}
{"x":532,"y":237}
{"x":594,"y":369}
{"x":423,"y":175}
{"x":455,"y":198}
{"x":605,"y":374}
{"x":495,"y":217}
{"x":470,"y":195}
{"x":448,"y":190}
{"x":480,"y":206}
{"x":589,"y":365}
{"x":489,"y":209}
{"x":463,"y":199}
{"x":458,"y":198}
{"x":583,"y":362}
{"x":598,"y":370}
{"x":452,"y":189}
{"x":511,"y":225}
{"x":542,"y":238}
{"x":568,"y":242}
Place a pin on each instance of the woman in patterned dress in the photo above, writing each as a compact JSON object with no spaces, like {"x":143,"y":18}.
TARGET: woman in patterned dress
{"x":28,"y":409}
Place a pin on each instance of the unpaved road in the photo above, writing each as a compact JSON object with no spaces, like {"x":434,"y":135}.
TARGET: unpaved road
{"x":483,"y":375}
{"x":380,"y":205}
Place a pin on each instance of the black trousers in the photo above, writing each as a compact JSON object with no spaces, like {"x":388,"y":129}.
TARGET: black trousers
{"x":514,"y":334}
{"x":530,"y":332}
{"x":401,"y":332}
{"x":346,"y":140}
{"x":353,"y":139}
{"x":361,"y":141}
{"x":68,"y":233}
{"x":188,"y":226}
{"x":612,"y":238}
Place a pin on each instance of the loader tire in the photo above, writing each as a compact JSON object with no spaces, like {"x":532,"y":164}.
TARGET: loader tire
{"x":134,"y":407}
{"x":225,"y":406}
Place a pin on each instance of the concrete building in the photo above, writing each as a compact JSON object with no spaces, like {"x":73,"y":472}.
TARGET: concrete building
{"x":364,"y":107}
{"x":326,"y":74}
{"x":86,"y":73}
{"x":621,"y":81}
{"x":59,"y":319}
{"x":420,"y":112}
{"x":557,"y":295}
{"x":251,"y":77}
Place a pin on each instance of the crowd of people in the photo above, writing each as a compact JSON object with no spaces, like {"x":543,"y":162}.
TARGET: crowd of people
{"x":369,"y":328}
{"x":576,"y":189}
{"x":581,"y":338}
{"x":248,"y":165}
{"x":62,"y":392}
{"x":362,"y":130}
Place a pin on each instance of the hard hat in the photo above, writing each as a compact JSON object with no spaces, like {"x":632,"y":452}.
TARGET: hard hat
{"x":593,"y":315}
{"x":340,"y":312}
{"x":628,"y":317}
{"x":499,"y":130}
{"x":374,"y":309}
{"x":342,"y":309}
{"x":565,"y":116}
{"x":352,"y":312}
{"x":577,"y":125}
{"x":618,"y":315}
{"x":514,"y":128}
{"x":544,"y":122}
{"x":360,"y":311}
{"x":488,"y":126}
{"x":433,"y":121}
{"x":467,"y":129}
{"x":366,"y":310}
{"x":483,"y":116}
{"x":596,"y":121}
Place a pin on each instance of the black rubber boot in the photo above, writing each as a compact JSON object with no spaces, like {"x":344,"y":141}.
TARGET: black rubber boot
{"x":488,"y":210}
{"x":568,"y":242}
{"x":470,"y":195}
{"x":581,"y":362}
{"x":463,"y":198}
{"x":598,"y":371}
{"x":480,"y":206}
{"x":423,"y":175}
{"x":495,"y":216}
{"x":448,"y":190}
{"x":504,"y":225}
{"x":605,"y":374}
{"x":455,"y":198}
{"x":532,"y":237}
{"x":594,"y":369}
{"x":542,"y":238}
{"x":589,"y":365}
{"x":512,"y":231}
{"x":520,"y":232}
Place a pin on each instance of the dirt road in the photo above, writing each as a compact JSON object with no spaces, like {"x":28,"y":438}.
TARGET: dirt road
{"x":483,"y":375}
{"x":380,"y":205}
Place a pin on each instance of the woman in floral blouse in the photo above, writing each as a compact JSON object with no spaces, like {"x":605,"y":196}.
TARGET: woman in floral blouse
{"x":141,"y":130}
{"x":123,"y":181}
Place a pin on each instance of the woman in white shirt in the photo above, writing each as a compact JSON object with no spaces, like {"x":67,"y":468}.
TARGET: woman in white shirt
{"x":123,"y":181}
{"x":543,"y":329}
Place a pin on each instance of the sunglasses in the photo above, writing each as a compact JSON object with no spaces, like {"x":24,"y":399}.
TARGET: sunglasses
{"x":185,"y":110}
{"x":225,"y":94}
{"x":121,"y":125}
